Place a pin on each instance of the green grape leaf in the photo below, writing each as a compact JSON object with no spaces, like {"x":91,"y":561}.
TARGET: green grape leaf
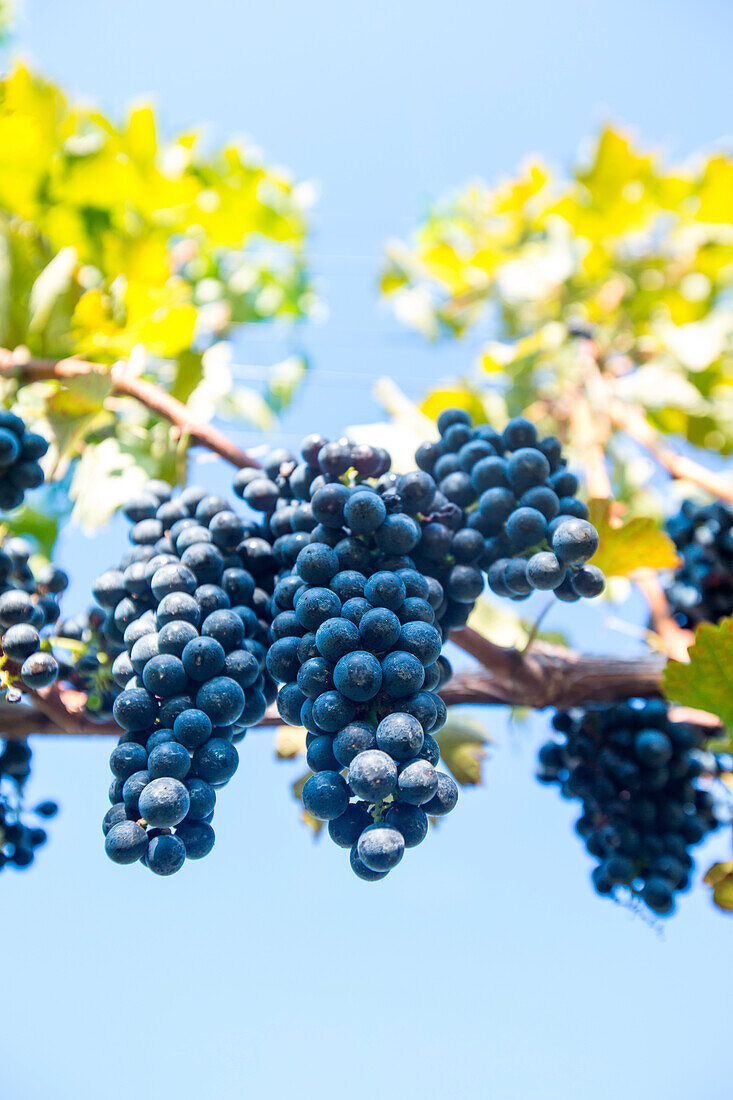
{"x":720,"y":877}
{"x":706,"y":682}
{"x":30,"y":523}
{"x":463,"y":742}
{"x":638,"y":543}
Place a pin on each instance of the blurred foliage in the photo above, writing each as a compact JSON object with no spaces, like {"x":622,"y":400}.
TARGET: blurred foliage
{"x":7,"y":19}
{"x":117,"y":244}
{"x":614,"y":282}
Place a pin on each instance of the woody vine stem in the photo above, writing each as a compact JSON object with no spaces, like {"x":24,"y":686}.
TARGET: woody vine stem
{"x":541,"y":675}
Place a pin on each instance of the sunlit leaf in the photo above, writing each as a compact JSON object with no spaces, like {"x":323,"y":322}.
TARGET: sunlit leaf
{"x":297,"y":791}
{"x":289,"y":742}
{"x":706,"y":683}
{"x":720,"y":877}
{"x":626,"y":546}
{"x":463,"y":742}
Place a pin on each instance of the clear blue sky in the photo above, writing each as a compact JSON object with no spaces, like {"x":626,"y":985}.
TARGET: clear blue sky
{"x":485,"y":966}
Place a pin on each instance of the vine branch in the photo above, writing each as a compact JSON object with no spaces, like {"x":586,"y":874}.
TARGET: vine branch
{"x":542,"y":676}
{"x":633,"y":422}
{"x":125,"y":382}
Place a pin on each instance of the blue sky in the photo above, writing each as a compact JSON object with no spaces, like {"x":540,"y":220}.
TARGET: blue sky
{"x":485,"y":966}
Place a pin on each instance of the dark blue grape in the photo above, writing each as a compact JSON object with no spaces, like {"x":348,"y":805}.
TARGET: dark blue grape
{"x":337,"y":637}
{"x":358,"y":676}
{"x":575,"y":541}
{"x":222,"y":699}
{"x":380,"y":847}
{"x":372,"y":775}
{"x":325,"y":795}
{"x":346,"y":829}
{"x":410,"y":821}
{"x":166,"y":854}
{"x":361,"y":870}
{"x":588,"y":581}
{"x":400,"y":735}
{"x":192,"y":728}
{"x":216,"y":761}
{"x":354,"y":738}
{"x":417,"y":783}
{"x":332,"y":711}
{"x":364,"y":512}
{"x":126,"y":842}
{"x":545,"y":571}
{"x":444,"y":799}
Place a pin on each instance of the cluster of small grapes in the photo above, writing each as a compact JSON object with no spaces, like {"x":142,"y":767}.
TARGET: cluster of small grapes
{"x":182,"y":611}
{"x":701,"y":589}
{"x":28,"y":605}
{"x":355,"y":640}
{"x":515,"y":493}
{"x":20,"y":451}
{"x":646,"y":799}
{"x":19,"y":839}
{"x":421,"y":530}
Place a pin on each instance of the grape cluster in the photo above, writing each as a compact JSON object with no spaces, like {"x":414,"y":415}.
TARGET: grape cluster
{"x":28,"y":600}
{"x":183,"y":613}
{"x":701,"y":589}
{"x":646,"y":801}
{"x":515,"y":492}
{"x":20,"y":830}
{"x":355,"y":640}
{"x":20,"y":451}
{"x":28,"y":606}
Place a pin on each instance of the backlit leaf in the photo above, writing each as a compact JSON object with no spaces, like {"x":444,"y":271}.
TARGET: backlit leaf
{"x":463,"y":742}
{"x":706,"y":683}
{"x":626,"y":546}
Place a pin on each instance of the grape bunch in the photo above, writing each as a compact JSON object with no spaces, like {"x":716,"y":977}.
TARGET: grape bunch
{"x":646,"y":799}
{"x":28,"y":600}
{"x":28,"y":607}
{"x":355,"y":641}
{"x":21,"y":832}
{"x":20,"y":469}
{"x":182,"y":613}
{"x":420,"y":529}
{"x":701,"y":589}
{"x":516,"y":493}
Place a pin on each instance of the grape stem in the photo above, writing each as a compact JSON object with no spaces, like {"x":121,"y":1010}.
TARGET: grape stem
{"x":673,"y":639}
{"x":125,"y":382}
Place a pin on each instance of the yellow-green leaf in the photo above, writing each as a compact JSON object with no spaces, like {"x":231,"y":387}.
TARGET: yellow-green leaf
{"x":463,"y":742}
{"x":720,"y":877}
{"x":463,"y":398}
{"x":624,"y":547}
{"x":289,"y":742}
{"x":496,"y":624}
{"x":297,"y":790}
{"x":706,"y":683}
